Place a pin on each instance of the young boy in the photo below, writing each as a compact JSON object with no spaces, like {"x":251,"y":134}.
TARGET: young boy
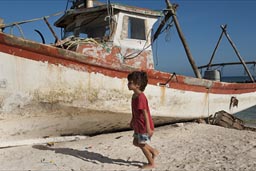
{"x":141,"y":121}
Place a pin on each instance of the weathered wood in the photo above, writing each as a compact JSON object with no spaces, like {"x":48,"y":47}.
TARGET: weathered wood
{"x":215,"y":49}
{"x":222,"y":118}
{"x":52,"y":31}
{"x":172,"y":10}
{"x":49,"y":140}
{"x":237,"y":53}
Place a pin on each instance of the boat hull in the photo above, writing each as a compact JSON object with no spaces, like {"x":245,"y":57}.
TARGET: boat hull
{"x":47,"y":91}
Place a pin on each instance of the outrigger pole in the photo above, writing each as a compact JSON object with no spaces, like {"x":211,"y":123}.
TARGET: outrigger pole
{"x":224,"y":31}
{"x":237,"y":53}
{"x":171,"y":12}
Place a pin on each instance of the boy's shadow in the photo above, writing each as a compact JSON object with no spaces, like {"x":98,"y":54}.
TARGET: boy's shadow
{"x":88,"y":156}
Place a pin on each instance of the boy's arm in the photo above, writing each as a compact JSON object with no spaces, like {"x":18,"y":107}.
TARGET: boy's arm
{"x":149,"y":131}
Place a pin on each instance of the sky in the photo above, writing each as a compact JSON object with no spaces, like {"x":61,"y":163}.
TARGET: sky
{"x":200,"y":22}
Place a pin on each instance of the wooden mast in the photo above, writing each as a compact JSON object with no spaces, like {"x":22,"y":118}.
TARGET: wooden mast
{"x":215,"y":49}
{"x":172,"y":11}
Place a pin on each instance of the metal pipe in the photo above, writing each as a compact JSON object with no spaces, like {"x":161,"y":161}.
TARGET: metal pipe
{"x":226,"y":63}
{"x":52,"y":31}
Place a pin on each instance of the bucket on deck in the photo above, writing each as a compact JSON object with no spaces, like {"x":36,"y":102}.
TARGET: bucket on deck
{"x":212,"y":75}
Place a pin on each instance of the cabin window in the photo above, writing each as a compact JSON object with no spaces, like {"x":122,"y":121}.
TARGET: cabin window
{"x":69,"y":31}
{"x":134,"y":28}
{"x":94,"y":31}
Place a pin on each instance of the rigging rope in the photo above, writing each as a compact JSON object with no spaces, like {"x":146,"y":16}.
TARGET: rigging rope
{"x":166,"y":30}
{"x":143,"y":49}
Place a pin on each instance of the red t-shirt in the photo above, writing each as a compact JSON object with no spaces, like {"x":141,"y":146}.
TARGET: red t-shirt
{"x":138,"y":120}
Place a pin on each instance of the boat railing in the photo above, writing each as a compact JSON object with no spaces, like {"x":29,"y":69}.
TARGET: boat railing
{"x":216,"y":73}
{"x":18,"y":25}
{"x":227,"y":63}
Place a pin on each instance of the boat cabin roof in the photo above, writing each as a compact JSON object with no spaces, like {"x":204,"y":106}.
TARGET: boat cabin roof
{"x":103,"y":10}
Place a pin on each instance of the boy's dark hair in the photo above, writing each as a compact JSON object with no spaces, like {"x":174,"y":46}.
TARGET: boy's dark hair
{"x":140,"y":78}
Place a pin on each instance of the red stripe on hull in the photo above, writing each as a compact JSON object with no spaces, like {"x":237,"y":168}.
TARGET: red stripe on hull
{"x":39,"y":52}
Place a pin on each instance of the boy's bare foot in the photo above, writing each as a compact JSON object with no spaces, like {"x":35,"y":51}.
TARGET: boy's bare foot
{"x":148,"y":166}
{"x":155,"y":154}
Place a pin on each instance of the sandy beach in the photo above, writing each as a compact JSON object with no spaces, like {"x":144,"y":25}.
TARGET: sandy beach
{"x":183,"y":147}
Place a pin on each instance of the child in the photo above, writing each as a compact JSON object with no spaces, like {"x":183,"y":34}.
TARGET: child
{"x":141,"y":121}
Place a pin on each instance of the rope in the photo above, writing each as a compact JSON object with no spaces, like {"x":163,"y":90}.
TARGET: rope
{"x":143,"y":49}
{"x":170,"y":79}
{"x":156,"y":52}
{"x":166,"y":29}
{"x":75,"y":41}
{"x":109,"y":17}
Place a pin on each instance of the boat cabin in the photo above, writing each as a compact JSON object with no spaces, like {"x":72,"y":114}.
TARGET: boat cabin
{"x":122,"y":31}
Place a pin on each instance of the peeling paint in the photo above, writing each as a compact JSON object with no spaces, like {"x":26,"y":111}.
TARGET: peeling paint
{"x":57,"y":95}
{"x":3,"y":83}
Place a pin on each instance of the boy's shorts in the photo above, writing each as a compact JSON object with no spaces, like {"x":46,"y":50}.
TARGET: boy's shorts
{"x":142,"y":138}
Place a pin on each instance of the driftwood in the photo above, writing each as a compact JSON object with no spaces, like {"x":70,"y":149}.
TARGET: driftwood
{"x":48,"y":141}
{"x":222,"y":118}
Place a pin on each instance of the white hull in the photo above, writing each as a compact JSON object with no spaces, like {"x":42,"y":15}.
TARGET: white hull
{"x":41,"y":99}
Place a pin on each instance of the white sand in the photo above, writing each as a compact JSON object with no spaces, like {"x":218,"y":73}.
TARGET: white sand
{"x":192,"y":147}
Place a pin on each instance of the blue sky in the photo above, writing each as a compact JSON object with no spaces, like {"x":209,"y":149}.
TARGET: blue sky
{"x":200,"y":21}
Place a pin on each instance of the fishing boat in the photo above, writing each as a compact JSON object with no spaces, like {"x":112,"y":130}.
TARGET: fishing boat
{"x":78,"y":85}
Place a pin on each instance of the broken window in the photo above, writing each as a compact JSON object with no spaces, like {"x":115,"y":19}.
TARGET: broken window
{"x":134,"y":28}
{"x":91,"y":26}
{"x":94,"y":31}
{"x":69,"y":31}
